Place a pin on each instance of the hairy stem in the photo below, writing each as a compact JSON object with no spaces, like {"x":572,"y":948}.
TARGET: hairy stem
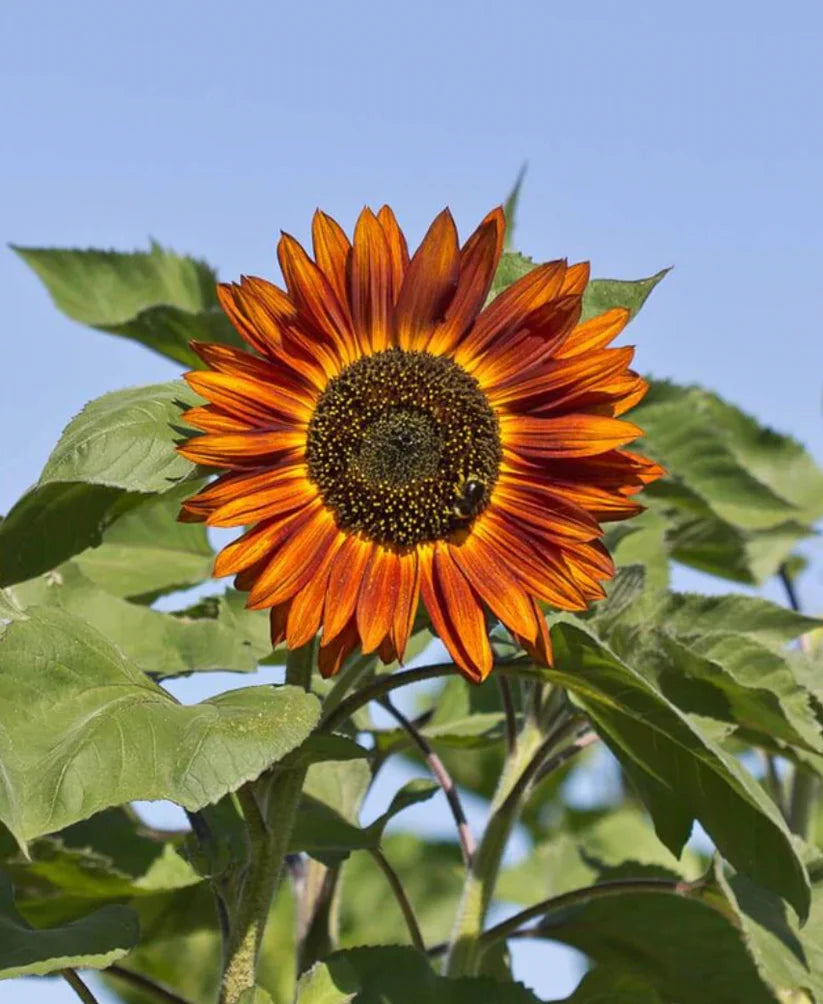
{"x":401,"y":897}
{"x":508,"y":710}
{"x":443,"y":778}
{"x":269,"y":805}
{"x":78,"y":986}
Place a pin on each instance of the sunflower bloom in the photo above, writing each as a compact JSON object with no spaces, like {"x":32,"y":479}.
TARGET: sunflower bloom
{"x":390,"y":438}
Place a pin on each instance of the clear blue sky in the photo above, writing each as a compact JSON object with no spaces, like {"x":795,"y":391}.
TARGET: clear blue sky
{"x":656,"y":134}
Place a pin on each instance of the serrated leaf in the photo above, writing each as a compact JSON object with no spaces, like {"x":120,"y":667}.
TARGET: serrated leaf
{"x":95,"y":941}
{"x":126,"y":440}
{"x":162,"y":644}
{"x":87,"y":705}
{"x":739,"y":496}
{"x":396,"y":975}
{"x":686,"y":775}
{"x":605,"y":294}
{"x":157,"y":298}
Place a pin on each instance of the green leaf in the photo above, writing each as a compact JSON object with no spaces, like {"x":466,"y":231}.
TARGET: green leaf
{"x":126,"y":440}
{"x":157,"y":298}
{"x":685,"y":773}
{"x":605,"y":294}
{"x":147,"y":552}
{"x":739,"y":496}
{"x":162,"y":644}
{"x":395,"y":975}
{"x":510,"y":205}
{"x":94,"y":941}
{"x":603,"y":985}
{"x":51,"y":523}
{"x":707,"y":962}
{"x":87,"y":705}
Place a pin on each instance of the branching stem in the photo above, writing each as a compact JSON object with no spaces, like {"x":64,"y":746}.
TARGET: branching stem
{"x":402,"y":899}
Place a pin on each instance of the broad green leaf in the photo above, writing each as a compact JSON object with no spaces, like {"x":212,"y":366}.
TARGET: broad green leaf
{"x":432,"y":876}
{"x":87,"y":705}
{"x":162,"y":644}
{"x":739,"y":496}
{"x":94,"y":941}
{"x":51,"y":523}
{"x":148,"y":552}
{"x":126,"y":440}
{"x":605,"y":294}
{"x":690,"y":775}
{"x":687,"y":946}
{"x":469,"y":732}
{"x":642,"y":541}
{"x":157,"y":298}
{"x":397,"y":975}
{"x":603,"y":985}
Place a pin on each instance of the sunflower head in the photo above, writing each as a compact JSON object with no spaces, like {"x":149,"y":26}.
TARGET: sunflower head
{"x":389,"y":436}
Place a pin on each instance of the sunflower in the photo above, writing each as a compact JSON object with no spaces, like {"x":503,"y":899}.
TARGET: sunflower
{"x":390,"y":437}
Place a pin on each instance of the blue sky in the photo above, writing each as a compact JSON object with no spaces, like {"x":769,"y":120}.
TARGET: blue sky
{"x":656,"y":134}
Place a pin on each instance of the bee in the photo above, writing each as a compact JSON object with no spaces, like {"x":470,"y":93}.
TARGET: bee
{"x":470,"y":496}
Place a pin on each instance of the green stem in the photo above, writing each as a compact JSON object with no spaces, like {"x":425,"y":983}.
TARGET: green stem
{"x":481,"y":877}
{"x":269,"y":806}
{"x":156,"y":991}
{"x":78,"y":986}
{"x":401,"y":897}
{"x":577,"y":897}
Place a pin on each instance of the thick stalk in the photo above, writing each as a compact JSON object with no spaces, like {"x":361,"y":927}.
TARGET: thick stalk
{"x":481,"y":877}
{"x":269,"y":805}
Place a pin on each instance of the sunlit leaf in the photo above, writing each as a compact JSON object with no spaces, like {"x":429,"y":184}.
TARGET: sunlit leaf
{"x":86,"y":705}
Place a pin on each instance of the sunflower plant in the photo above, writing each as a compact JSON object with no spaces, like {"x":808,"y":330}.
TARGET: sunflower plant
{"x":433,"y":470}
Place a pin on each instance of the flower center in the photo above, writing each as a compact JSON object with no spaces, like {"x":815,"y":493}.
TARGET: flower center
{"x":404,"y":447}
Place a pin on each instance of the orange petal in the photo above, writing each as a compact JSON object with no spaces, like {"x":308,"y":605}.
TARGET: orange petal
{"x":333,"y":653}
{"x":408,"y":591}
{"x":478,"y":262}
{"x":486,"y":570}
{"x":210,"y":419}
{"x":264,"y":338}
{"x":429,"y":284}
{"x":307,"y":606}
{"x":296,"y":560}
{"x":254,"y":546}
{"x":543,"y":513}
{"x":281,"y":495}
{"x":332,"y":250}
{"x":277,"y":622}
{"x":344,"y":584}
{"x":506,"y":313}
{"x":398,"y":252}
{"x":576,"y":278}
{"x":455,"y":612}
{"x":312,"y":293}
{"x":566,"y":435}
{"x":539,"y":648}
{"x":595,"y":333}
{"x":377,"y":597}
{"x":241,"y":449}
{"x":250,"y":399}
{"x":372,"y":296}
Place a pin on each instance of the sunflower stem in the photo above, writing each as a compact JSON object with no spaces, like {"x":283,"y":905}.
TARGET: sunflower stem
{"x":521,"y":771}
{"x":269,"y":806}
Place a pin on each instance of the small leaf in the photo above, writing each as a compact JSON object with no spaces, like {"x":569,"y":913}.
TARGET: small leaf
{"x":86,"y":705}
{"x":510,"y":206}
{"x":257,"y":995}
{"x":157,"y":298}
{"x":95,"y":941}
{"x":605,"y":294}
